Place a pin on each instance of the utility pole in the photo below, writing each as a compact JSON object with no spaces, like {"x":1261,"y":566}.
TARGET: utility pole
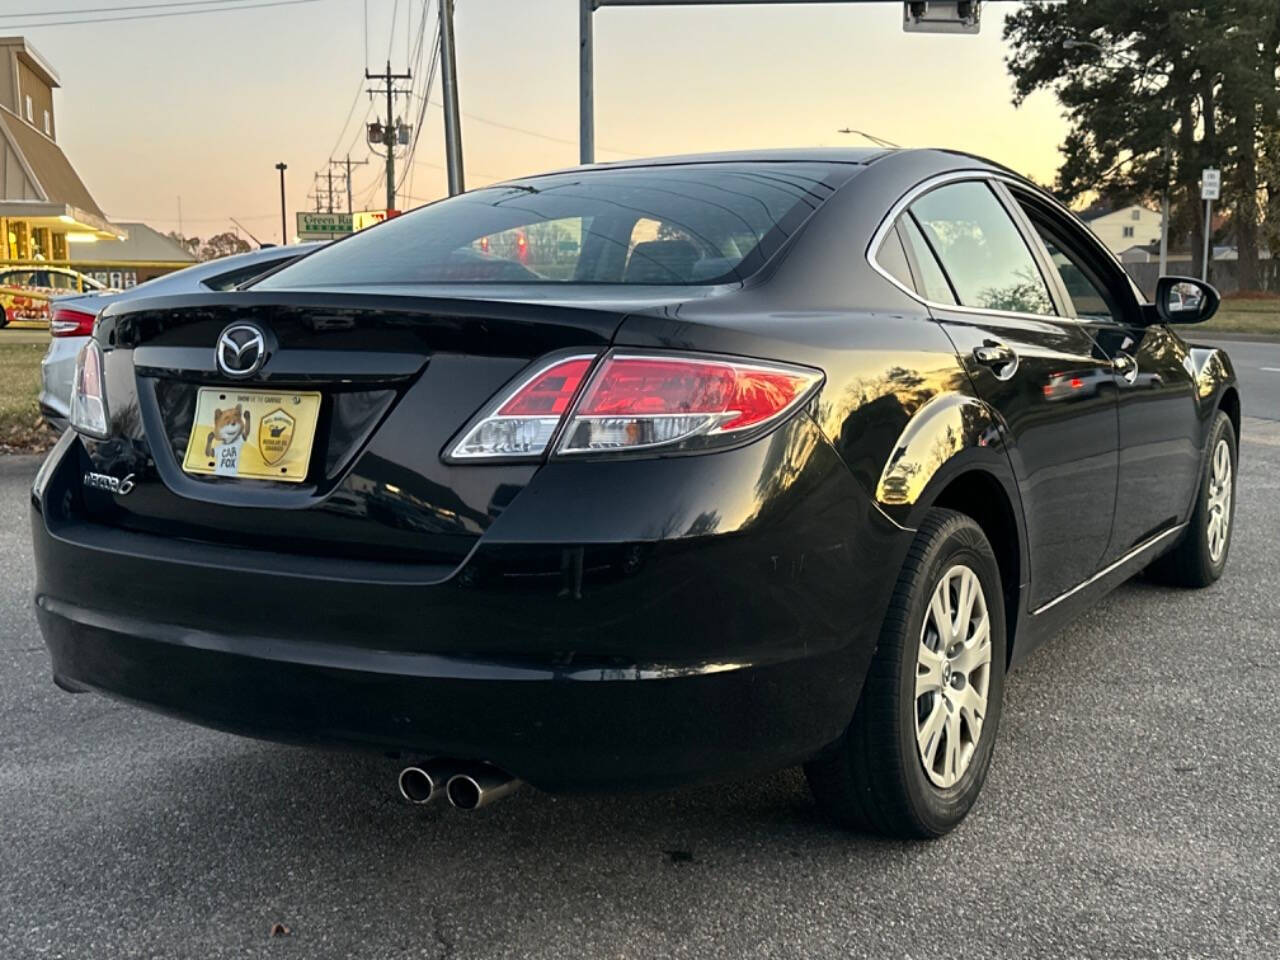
{"x":1164,"y":213}
{"x":284,"y":231}
{"x":389,"y":128}
{"x":330,"y":173}
{"x":349,"y":163}
{"x":449,"y":90}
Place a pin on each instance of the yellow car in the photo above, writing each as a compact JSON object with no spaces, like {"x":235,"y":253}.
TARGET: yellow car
{"x":25,"y":292}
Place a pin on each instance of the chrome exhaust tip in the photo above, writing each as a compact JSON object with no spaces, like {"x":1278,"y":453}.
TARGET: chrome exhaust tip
{"x":479,"y":787}
{"x":425,"y":783}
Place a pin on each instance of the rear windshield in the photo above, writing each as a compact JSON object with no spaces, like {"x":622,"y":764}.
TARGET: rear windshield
{"x":684,"y":224}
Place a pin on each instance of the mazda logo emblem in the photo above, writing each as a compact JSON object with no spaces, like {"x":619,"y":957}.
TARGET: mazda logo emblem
{"x":241,"y":350}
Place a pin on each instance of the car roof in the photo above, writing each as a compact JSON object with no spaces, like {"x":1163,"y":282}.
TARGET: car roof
{"x":854,"y":155}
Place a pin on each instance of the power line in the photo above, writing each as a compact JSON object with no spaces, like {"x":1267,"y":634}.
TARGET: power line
{"x":155,"y":16}
{"x":119,"y":8}
{"x":124,"y":218}
{"x":535,"y":133}
{"x":350,"y":113}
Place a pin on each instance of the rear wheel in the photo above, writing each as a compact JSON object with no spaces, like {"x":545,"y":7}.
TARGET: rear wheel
{"x":4,"y":318}
{"x":1201,"y":555}
{"x":917,"y":750}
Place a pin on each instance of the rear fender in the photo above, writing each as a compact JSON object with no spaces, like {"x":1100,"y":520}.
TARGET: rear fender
{"x":951,"y":435}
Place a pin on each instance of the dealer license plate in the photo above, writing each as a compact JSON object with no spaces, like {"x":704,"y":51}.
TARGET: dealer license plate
{"x":265,"y":436}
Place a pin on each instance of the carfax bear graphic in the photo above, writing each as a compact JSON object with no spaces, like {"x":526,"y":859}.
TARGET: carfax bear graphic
{"x":230,"y":429}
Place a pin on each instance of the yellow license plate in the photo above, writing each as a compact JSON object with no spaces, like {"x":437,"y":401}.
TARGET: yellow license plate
{"x":265,"y":436}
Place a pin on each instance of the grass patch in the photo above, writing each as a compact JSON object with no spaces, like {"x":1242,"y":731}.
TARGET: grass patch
{"x":1253,"y":314}
{"x":21,"y":426}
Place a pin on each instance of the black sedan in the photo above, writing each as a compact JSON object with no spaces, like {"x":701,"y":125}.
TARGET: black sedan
{"x":635,"y":475}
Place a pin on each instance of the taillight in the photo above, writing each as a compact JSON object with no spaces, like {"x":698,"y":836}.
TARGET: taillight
{"x":70,"y":322}
{"x":525,"y":420}
{"x":89,"y":393}
{"x":635,"y":402}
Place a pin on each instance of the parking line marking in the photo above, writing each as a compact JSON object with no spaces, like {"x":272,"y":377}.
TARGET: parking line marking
{"x":1270,"y":369}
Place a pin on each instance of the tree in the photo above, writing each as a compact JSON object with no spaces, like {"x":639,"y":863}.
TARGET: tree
{"x":189,"y":244}
{"x":1154,"y":92}
{"x":223,"y":245}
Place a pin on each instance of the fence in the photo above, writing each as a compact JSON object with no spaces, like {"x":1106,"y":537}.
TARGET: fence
{"x":1223,"y":274}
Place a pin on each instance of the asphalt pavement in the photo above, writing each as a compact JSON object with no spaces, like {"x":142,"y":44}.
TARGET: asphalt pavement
{"x":1257,"y":364}
{"x":1131,"y":812}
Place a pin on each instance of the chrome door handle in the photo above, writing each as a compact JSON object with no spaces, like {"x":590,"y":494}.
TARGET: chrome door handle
{"x":1001,"y":358}
{"x":1126,"y":366}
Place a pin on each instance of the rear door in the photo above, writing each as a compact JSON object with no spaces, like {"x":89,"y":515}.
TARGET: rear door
{"x":1043,"y":372}
{"x":1159,"y":454}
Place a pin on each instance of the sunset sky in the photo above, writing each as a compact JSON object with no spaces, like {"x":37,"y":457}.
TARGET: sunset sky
{"x":204,"y":106}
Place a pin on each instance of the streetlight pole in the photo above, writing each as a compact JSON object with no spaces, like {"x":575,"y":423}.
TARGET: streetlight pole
{"x":284,"y":230}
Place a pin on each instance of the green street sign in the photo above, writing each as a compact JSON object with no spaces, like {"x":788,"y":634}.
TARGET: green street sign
{"x":321,"y":226}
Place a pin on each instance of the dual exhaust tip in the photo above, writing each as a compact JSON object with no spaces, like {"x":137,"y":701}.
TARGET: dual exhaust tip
{"x":468,"y":786}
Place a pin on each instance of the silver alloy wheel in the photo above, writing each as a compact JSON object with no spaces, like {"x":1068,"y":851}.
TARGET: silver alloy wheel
{"x":1219,"y":522}
{"x":953,"y":675}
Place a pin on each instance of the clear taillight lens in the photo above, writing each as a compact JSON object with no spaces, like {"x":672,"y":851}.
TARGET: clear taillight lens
{"x":89,"y":393}
{"x":69,"y":322}
{"x":636,"y":402}
{"x":523,"y":422}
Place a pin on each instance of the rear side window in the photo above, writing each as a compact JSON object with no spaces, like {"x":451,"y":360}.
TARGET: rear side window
{"x":894,"y":259}
{"x":672,"y":225}
{"x":982,"y":251}
{"x":933,"y":282}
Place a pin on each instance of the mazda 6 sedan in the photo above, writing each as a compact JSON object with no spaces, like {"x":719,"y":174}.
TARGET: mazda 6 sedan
{"x":635,"y":475}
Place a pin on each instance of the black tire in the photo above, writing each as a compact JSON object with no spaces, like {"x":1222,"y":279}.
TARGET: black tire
{"x":1191,"y":562}
{"x":874,"y":779}
{"x":4,"y":318}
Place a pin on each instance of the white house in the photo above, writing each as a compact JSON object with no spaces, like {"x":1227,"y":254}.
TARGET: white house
{"x":1124,"y":227}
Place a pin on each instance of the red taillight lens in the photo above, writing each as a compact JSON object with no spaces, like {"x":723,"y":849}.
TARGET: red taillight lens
{"x":549,"y":392}
{"x":636,"y":402}
{"x":525,"y":420}
{"x":70,"y":322}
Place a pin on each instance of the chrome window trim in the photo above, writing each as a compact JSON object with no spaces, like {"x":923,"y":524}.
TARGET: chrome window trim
{"x":957,"y":176}
{"x":1110,"y":568}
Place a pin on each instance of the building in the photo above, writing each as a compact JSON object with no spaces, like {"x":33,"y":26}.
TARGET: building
{"x":1122,"y":228}
{"x":44,"y":205}
{"x":143,"y":254}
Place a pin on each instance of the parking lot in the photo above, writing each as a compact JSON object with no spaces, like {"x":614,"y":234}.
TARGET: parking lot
{"x":1130,"y":813}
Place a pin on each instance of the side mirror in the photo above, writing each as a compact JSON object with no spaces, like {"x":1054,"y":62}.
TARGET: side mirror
{"x":1185,"y":300}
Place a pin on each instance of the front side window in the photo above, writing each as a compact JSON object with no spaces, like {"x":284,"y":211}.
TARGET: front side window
{"x":670,"y":225}
{"x":981,"y":250}
{"x":1079,"y":262}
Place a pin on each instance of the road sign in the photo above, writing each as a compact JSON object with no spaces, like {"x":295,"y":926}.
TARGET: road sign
{"x":323,"y":226}
{"x":941,"y":16}
{"x":367,"y":218}
{"x":1210,"y":183}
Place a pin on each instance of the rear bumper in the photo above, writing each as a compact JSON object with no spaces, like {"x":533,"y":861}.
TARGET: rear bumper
{"x":598,"y":666}
{"x":559,"y":728}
